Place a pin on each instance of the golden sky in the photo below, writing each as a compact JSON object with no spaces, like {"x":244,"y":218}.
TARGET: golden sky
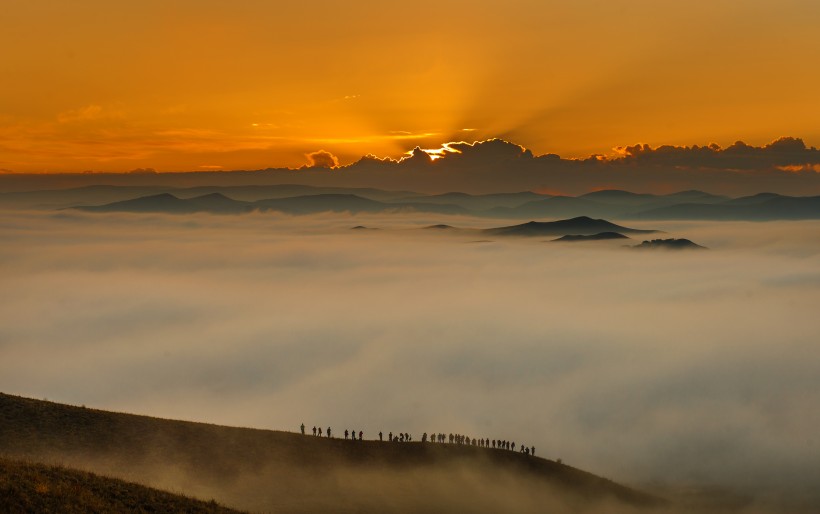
{"x":248,"y":84}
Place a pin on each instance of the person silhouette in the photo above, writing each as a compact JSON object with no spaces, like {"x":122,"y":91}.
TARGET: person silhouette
{"x":320,"y":431}
{"x":353,"y":435}
{"x":381,"y":437}
{"x":303,"y":429}
{"x":390,"y":437}
{"x":314,"y":430}
{"x":346,"y":434}
{"x":533,"y":451}
{"x":328,"y":432}
{"x":361,"y":435}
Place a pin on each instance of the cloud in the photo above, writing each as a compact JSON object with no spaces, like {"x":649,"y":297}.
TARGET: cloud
{"x":322,"y":159}
{"x":785,"y":166}
{"x":783,"y":152}
{"x":679,"y":368}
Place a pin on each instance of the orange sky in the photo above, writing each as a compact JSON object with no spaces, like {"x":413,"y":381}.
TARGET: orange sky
{"x":248,"y":84}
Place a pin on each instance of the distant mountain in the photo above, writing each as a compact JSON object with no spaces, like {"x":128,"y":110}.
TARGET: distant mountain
{"x":218,"y":203}
{"x":603,"y":204}
{"x":603,"y":236}
{"x":168,"y":203}
{"x":607,"y":204}
{"x":619,"y":197}
{"x":762,"y":207}
{"x":556,"y":207}
{"x":348,"y":203}
{"x":477,"y":202}
{"x":439,"y":227}
{"x":669,"y":244}
{"x":581,"y":225}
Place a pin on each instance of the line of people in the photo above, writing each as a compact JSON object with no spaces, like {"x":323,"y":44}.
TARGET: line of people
{"x":496,"y":444}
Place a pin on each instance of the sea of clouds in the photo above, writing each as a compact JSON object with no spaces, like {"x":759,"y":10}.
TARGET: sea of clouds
{"x":662,"y":369}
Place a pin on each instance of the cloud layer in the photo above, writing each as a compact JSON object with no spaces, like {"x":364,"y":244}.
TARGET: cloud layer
{"x":648,"y":367}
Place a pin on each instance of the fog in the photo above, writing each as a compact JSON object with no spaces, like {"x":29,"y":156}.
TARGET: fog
{"x":662,"y":370}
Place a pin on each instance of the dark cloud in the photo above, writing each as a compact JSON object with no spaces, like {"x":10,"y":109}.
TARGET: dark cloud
{"x":322,"y":159}
{"x":784,"y":152}
{"x":785,"y":166}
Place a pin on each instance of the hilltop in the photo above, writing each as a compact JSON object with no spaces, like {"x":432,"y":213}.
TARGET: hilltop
{"x":289,"y":472}
{"x":579,"y":226}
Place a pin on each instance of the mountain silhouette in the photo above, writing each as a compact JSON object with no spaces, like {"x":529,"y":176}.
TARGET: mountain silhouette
{"x":477,"y":202}
{"x":218,"y":203}
{"x":603,"y":236}
{"x":669,"y":244}
{"x":761,"y":207}
{"x":168,"y":203}
{"x":581,"y":225}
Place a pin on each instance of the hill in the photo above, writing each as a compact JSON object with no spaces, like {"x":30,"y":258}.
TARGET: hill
{"x":28,"y":487}
{"x":288,"y":472}
{"x":603,"y":236}
{"x":217,"y":203}
{"x":582,"y":225}
{"x":669,"y":244}
{"x":761,"y":207}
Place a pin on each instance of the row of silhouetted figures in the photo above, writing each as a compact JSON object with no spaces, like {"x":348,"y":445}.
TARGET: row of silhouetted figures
{"x":496,"y":444}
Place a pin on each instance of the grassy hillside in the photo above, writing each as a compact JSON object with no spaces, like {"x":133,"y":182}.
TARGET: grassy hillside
{"x":27,"y":487}
{"x":262,"y":470}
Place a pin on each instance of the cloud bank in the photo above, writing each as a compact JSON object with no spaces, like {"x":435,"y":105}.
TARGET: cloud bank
{"x":786,"y":166}
{"x":694,"y":368}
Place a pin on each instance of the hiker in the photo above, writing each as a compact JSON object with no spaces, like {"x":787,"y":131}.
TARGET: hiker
{"x":381,"y":437}
{"x":328,"y":432}
{"x":390,"y":437}
{"x":522,"y":448}
{"x":303,"y":429}
{"x":353,"y":435}
{"x":424,"y":437}
{"x":320,"y":431}
{"x":401,"y":438}
{"x":361,"y":435}
{"x":346,"y":434}
{"x":533,"y":451}
{"x":512,"y":446}
{"x":314,"y":429}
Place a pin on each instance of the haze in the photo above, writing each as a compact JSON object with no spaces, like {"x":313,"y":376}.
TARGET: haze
{"x":647,"y":368}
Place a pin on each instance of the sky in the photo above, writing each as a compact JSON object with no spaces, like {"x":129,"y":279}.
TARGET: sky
{"x":212,"y":85}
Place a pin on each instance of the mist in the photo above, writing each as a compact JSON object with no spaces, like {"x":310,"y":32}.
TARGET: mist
{"x":660,"y":370}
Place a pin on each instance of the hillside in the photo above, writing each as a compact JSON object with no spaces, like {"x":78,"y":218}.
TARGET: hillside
{"x":28,"y":487}
{"x":263,"y":470}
